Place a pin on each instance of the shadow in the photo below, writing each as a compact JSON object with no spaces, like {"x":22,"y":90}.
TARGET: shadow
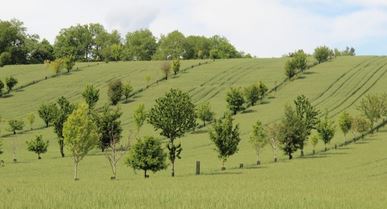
{"x":202,"y":146}
{"x":255,"y":167}
{"x":6,"y":96}
{"x":19,"y":90}
{"x":248,"y":111}
{"x":309,"y":72}
{"x":317,"y":156}
{"x":264,"y":102}
{"x":136,"y":96}
{"x":199,"y":131}
{"x":361,"y":142}
{"x":216,"y":173}
{"x":271,"y":97}
{"x":301,"y":77}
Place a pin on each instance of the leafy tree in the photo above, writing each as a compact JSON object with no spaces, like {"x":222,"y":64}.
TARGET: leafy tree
{"x":360,"y":124}
{"x":38,"y":145}
{"x":225,"y":137}
{"x":1,"y":88}
{"x":140,"y":45}
{"x":326,"y":130}
{"x":15,"y":125}
{"x":62,"y":113}
{"x":204,"y":113}
{"x":274,"y":135}
{"x":68,"y":63}
{"x":47,"y":112}
{"x":252,"y":94}
{"x":262,"y":90}
{"x":235,"y":100}
{"x":91,"y":96}
{"x":166,"y":69}
{"x":174,"y":115}
{"x":258,"y":139}
{"x":31,"y":119}
{"x":147,"y":154}
{"x":10,"y":82}
{"x":198,"y":47}
{"x":80,"y":135}
{"x":322,"y":54}
{"x":126,"y":91}
{"x":314,"y":138}
{"x":140,"y":116}
{"x":13,"y":48}
{"x":290,"y":69}
{"x":171,"y":46}
{"x":221,"y":48}
{"x":291,"y":132}
{"x":345,"y":123}
{"x":300,"y":60}
{"x":115,"y":91}
{"x":57,"y":65}
{"x":116,"y":52}
{"x":176,"y":66}
{"x":372,"y":106}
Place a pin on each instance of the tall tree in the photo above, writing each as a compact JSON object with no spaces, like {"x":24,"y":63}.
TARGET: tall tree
{"x":140,"y":45}
{"x":174,"y":115}
{"x":258,"y":139}
{"x":64,"y":109}
{"x":274,"y":134}
{"x":91,"y":96}
{"x":291,"y":132}
{"x":171,"y":46}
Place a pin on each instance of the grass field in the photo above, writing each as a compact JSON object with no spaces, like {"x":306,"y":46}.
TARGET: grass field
{"x":354,"y":176}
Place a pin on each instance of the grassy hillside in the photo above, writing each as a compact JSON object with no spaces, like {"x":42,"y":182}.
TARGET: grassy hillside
{"x":336,"y":179}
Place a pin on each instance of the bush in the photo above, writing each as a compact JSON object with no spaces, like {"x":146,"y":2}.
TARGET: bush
{"x":115,"y":91}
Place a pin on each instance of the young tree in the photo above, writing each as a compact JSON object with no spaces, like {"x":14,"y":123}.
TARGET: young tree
{"x":68,"y":63}
{"x":80,"y":135}
{"x":62,"y":113}
{"x":166,"y":69}
{"x":15,"y":125}
{"x":57,"y":65}
{"x":258,"y":139}
{"x":326,"y":130}
{"x":47,"y":112}
{"x":204,"y":113}
{"x":109,"y":126}
{"x":115,"y":91}
{"x":262,"y":90}
{"x":300,"y":60}
{"x":322,"y":54}
{"x":147,"y":154}
{"x":345,"y":123}
{"x":225,"y":137}
{"x":1,"y":88}
{"x":126,"y":91}
{"x":291,"y":131}
{"x":91,"y":96}
{"x":37,"y":145}
{"x":176,"y":66}
{"x":360,"y":124}
{"x":290,"y":69}
{"x":252,"y":94}
{"x":139,"y":116}
{"x":31,"y":119}
{"x":314,"y":138}
{"x":174,"y":114}
{"x":372,"y":107}
{"x":274,"y":134}
{"x":235,"y":100}
{"x":10,"y":82}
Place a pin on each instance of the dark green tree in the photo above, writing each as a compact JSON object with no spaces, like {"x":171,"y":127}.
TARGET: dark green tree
{"x":109,"y":126}
{"x":1,"y":88}
{"x":63,"y":109}
{"x":91,"y":96}
{"x":291,"y":131}
{"x":235,"y":100}
{"x":10,"y":82}
{"x":115,"y":91}
{"x":37,"y":145}
{"x":47,"y":112}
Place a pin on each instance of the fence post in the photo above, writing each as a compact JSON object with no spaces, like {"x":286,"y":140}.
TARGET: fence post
{"x":197,"y":168}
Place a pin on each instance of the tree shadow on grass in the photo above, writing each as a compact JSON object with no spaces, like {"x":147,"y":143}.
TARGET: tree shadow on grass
{"x":309,"y":72}
{"x":248,"y":111}
{"x":216,"y":173}
{"x":201,"y":131}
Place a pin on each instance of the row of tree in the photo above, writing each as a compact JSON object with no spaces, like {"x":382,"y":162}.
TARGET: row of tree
{"x":10,"y":83}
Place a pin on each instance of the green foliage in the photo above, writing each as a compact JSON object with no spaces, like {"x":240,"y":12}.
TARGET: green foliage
{"x":258,"y":139}
{"x":345,"y":123}
{"x":115,"y":91}
{"x":255,"y":93}
{"x":10,"y":82}
{"x":64,"y":109}
{"x":140,"y":45}
{"x":176,"y":66}
{"x":326,"y":130}
{"x":139,"y":116}
{"x":126,"y":91}
{"x":166,"y":69}
{"x":225,"y":137}
{"x":314,"y":138}
{"x":15,"y":125}
{"x":204,"y":113}
{"x":221,"y":48}
{"x":91,"y":96}
{"x":290,"y":69}
{"x":291,"y":132}
{"x":31,"y":119}
{"x":37,"y":145}
{"x":360,"y":124}
{"x":171,"y":46}
{"x":47,"y":112}
{"x":80,"y":135}
{"x":109,"y":126}
{"x":235,"y":100}
{"x":1,"y":88}
{"x":322,"y":54}
{"x":373,"y":107}
{"x":68,"y":63}
{"x":57,"y":65}
{"x":174,"y":115}
{"x":147,"y":155}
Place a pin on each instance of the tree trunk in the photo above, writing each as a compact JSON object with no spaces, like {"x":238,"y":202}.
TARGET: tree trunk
{"x":145,"y":175}
{"x":14,"y":132}
{"x":76,"y":171}
{"x":173,"y":169}
{"x":61,"y":147}
{"x":223,"y":167}
{"x":314,"y":152}
{"x":326,"y":147}
{"x":39,"y":156}
{"x":290,"y":155}
{"x":302,"y":152}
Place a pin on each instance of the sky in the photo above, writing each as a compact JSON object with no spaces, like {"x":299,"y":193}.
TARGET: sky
{"x":264,"y":28}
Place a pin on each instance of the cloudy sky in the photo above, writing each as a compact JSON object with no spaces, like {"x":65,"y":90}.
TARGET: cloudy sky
{"x":263,"y":28}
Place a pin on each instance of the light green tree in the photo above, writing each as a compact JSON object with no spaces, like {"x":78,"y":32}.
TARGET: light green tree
{"x":126,"y":91}
{"x":91,"y":96}
{"x":345,"y":123}
{"x":326,"y":130}
{"x":204,"y":113}
{"x":31,"y":119}
{"x":140,"y":116}
{"x":258,"y":139}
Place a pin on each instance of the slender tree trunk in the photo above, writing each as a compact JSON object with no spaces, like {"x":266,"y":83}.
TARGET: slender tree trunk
{"x":76,"y":171}
{"x":145,"y":175}
{"x":326,"y":147}
{"x":14,"y":151}
{"x":223,"y":167}
{"x":173,"y":169}
{"x":290,"y":155}
{"x":61,"y":147}
{"x":302,"y":152}
{"x":39,"y":156}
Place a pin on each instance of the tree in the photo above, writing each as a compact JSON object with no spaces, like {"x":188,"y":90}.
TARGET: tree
{"x":300,"y":60}
{"x":258,"y":139}
{"x":345,"y":123}
{"x":140,"y":116}
{"x":174,"y":115}
{"x":126,"y":91}
{"x":140,"y":45}
{"x":326,"y":130}
{"x":225,"y":137}
{"x":91,"y":96}
{"x":37,"y":145}
{"x":62,"y":113}
{"x":290,"y":69}
{"x":372,"y":106}
{"x":172,"y":46}
{"x":47,"y":112}
{"x":221,"y":48}
{"x":166,"y":69}
{"x":1,"y":88}
{"x":68,"y":63}
{"x":57,"y":65}
{"x":291,"y":131}
{"x":252,"y":94}
{"x":360,"y":124}
{"x":10,"y":82}
{"x":204,"y":113}
{"x":235,"y":100}
{"x":314,"y":138}
{"x":274,"y":134}
{"x":15,"y":125}
{"x":307,"y":115}
{"x":147,"y":154}
{"x":31,"y":119}
{"x":262,"y":90}
{"x":322,"y":54}
{"x":80,"y":135}
{"x":176,"y":66}
{"x":115,"y":91}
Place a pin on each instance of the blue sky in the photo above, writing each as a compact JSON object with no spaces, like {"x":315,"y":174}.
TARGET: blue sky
{"x":265,"y":28}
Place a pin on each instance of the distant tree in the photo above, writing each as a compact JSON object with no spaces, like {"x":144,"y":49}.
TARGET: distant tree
{"x":176,"y":66}
{"x":80,"y":135}
{"x":64,"y":109}
{"x":15,"y":125}
{"x":173,"y":46}
{"x":91,"y":96}
{"x":322,"y":54}
{"x":10,"y":82}
{"x":314,"y":138}
{"x":372,"y":106}
{"x":235,"y":100}
{"x":345,"y":123}
{"x":221,"y":48}
{"x":291,"y":131}
{"x":166,"y":69}
{"x":140,"y":45}
{"x":300,"y":60}
{"x":37,"y":145}
{"x":115,"y":91}
{"x":147,"y":80}
{"x":47,"y":112}
{"x":258,"y":139}
{"x":274,"y":134}
{"x":57,"y":65}
{"x":290,"y":69}
{"x":31,"y":119}
{"x":360,"y":124}
{"x":252,"y":94}
{"x":140,"y":116}
{"x":1,"y":88}
{"x":126,"y":91}
{"x":262,"y":90}
{"x":174,"y":114}
{"x":147,"y":154}
{"x":204,"y":113}
{"x":225,"y":137}
{"x":326,"y":130}
{"x":116,"y":52}
{"x":68,"y":63}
